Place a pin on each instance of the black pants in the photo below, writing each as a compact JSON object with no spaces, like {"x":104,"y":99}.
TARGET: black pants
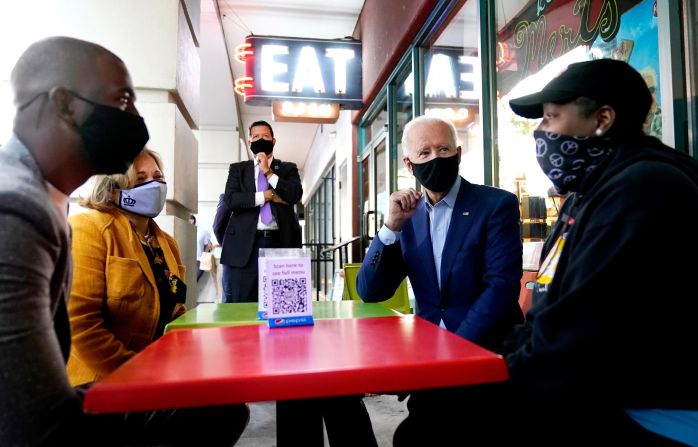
{"x":499,"y":415}
{"x":199,"y":272}
{"x":299,"y":422}
{"x":216,"y":426}
{"x":240,"y":284}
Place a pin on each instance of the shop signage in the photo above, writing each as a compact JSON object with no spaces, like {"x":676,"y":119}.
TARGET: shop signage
{"x":452,"y":77}
{"x":294,"y":69}
{"x":305,"y":112}
{"x":550,"y":28}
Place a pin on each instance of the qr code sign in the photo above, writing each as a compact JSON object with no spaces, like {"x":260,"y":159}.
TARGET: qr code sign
{"x":265,"y":292}
{"x":289,"y":295}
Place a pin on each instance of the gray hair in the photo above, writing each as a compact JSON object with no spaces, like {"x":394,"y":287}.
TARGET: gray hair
{"x":424,"y":119}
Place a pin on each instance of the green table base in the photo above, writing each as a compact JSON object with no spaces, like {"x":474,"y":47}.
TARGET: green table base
{"x":240,"y":314}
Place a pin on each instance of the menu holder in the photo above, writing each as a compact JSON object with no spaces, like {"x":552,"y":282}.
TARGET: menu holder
{"x":284,"y":287}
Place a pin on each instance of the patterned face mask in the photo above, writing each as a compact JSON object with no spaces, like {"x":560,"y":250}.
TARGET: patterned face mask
{"x":146,"y":199}
{"x":567,"y":160}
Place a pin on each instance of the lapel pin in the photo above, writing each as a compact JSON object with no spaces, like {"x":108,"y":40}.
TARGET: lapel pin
{"x":466,"y":213}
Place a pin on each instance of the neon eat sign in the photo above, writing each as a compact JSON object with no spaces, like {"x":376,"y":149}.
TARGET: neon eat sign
{"x":296,"y":69}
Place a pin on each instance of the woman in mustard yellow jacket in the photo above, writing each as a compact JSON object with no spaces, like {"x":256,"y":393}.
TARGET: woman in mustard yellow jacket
{"x":127,"y":272}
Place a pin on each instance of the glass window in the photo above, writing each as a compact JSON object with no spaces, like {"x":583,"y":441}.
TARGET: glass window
{"x":452,"y":87}
{"x":382,"y":192}
{"x":403,"y":115}
{"x":342,"y":221}
{"x":380,"y":122}
{"x":367,"y":191}
{"x":535,"y":42}
{"x":320,"y":234}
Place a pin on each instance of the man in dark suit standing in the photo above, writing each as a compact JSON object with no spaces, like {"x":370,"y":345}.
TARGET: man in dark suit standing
{"x":260,"y":195}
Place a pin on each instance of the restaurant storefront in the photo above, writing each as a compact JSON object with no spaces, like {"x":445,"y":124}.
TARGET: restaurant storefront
{"x":464,"y":60}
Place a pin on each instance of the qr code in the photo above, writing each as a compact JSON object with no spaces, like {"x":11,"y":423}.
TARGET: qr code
{"x":289,"y":295}
{"x":265,"y":292}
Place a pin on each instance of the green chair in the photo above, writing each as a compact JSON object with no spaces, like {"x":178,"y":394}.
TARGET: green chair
{"x":399,"y":301}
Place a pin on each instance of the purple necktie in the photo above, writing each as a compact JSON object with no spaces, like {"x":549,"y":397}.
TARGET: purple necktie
{"x":263,"y":185}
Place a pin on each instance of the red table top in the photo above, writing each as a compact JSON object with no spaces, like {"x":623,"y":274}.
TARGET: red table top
{"x":224,"y":365}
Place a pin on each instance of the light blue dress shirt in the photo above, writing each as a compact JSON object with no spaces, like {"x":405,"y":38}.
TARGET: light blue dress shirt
{"x":439,"y":221}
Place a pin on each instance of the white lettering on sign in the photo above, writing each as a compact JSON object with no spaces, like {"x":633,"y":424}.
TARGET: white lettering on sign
{"x":295,"y":69}
{"x":473,"y":75}
{"x":440,"y":80}
{"x":441,"y":83}
{"x":340,"y":57}
{"x":308,"y":72}
{"x":272,"y":68}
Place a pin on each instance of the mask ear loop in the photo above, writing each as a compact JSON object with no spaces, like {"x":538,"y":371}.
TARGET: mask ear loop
{"x":41,"y":108}
{"x":64,"y":107}
{"x":114,"y":191}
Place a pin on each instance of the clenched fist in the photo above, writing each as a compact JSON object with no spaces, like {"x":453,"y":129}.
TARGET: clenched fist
{"x":401,"y":206}
{"x":263,"y":162}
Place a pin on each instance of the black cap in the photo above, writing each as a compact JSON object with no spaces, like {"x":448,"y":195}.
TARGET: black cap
{"x":606,"y":81}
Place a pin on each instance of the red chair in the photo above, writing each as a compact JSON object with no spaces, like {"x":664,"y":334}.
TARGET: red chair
{"x":526,"y":293}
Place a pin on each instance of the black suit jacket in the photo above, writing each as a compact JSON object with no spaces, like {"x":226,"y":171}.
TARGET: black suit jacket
{"x":220,"y":221}
{"x":239,"y":199}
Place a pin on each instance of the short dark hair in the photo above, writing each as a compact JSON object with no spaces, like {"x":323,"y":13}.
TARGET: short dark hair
{"x":55,"y":61}
{"x":587,"y":106}
{"x":261,"y":123}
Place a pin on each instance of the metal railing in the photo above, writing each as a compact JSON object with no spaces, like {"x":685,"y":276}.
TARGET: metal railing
{"x":343,"y":248}
{"x":320,"y":262}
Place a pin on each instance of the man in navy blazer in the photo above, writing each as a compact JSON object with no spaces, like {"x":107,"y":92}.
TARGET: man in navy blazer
{"x":459,"y":243}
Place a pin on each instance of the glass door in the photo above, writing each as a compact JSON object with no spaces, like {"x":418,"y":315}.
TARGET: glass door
{"x":374,"y":186}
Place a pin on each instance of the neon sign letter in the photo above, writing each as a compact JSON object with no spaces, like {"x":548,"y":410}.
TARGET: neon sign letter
{"x":340,"y":56}
{"x":308,"y":71}
{"x":272,"y":68}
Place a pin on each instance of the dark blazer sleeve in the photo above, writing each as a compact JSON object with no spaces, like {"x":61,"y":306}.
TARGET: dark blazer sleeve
{"x":381,"y":272}
{"x":220,"y":221}
{"x":236,"y":195}
{"x":289,"y":186}
{"x":497,"y":304}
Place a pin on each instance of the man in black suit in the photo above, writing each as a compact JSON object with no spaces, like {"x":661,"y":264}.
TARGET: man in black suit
{"x":260,"y":195}
{"x":246,"y":231}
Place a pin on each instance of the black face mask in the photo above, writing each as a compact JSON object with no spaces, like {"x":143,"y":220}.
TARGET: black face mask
{"x":262,"y":145}
{"x":112,"y":138}
{"x":437,"y":175}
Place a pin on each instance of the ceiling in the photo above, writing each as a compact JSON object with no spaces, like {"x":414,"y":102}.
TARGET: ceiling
{"x":321,"y":19}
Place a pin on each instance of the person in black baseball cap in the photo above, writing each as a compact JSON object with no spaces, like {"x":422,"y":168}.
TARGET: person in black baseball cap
{"x":605,"y":81}
{"x":602,"y":356}
{"x":586,"y":110}
{"x":591,"y":309}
